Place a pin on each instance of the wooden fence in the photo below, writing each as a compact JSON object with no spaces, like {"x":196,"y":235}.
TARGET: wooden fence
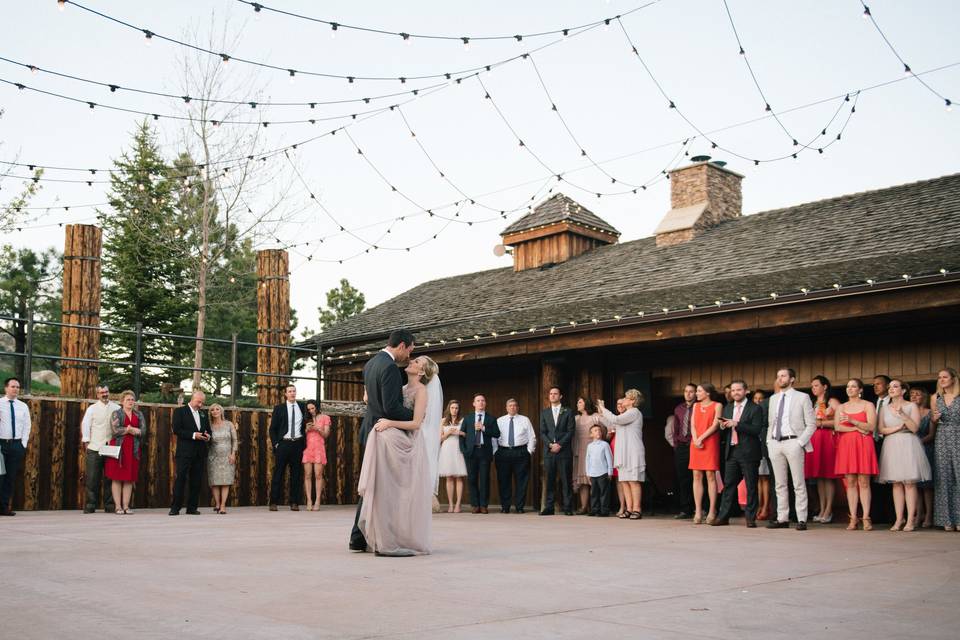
{"x":52,"y":476}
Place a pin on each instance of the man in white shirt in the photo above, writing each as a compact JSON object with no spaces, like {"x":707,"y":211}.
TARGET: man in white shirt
{"x":95,"y":432}
{"x":288,"y":434}
{"x":14,"y":434}
{"x":791,"y":425}
{"x":512,"y":451}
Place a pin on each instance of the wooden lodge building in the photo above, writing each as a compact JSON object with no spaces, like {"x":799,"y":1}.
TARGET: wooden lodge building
{"x":852,"y":286}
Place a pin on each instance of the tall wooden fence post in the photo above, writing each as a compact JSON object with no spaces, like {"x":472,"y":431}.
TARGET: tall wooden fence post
{"x":81,"y":306}
{"x":273,"y":323}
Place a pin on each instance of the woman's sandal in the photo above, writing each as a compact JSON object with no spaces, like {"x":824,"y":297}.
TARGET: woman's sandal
{"x":635,"y":515}
{"x":623,"y":515}
{"x":853,"y":524}
{"x":867,"y":523}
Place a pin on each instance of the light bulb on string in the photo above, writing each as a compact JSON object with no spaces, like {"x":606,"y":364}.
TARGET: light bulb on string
{"x":148,"y":36}
{"x":293,"y":75}
{"x":466,"y":43}
{"x":61,"y":5}
{"x":256,"y":10}
{"x":866,"y":12}
{"x":333,"y":29}
{"x":906,"y":70}
{"x":224,"y":58}
{"x":949,"y":105}
{"x":406,"y":38}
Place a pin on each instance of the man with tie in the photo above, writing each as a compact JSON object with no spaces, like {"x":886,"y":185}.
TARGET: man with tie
{"x":513,"y":450}
{"x":95,"y":431}
{"x":288,"y":436}
{"x":192,"y":428}
{"x":557,"y":429}
{"x":682,"y":415}
{"x":14,"y":434}
{"x":791,"y":425}
{"x":480,"y":429}
{"x":741,"y":425}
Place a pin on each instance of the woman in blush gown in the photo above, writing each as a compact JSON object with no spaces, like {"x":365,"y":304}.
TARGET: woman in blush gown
{"x":396,"y":480}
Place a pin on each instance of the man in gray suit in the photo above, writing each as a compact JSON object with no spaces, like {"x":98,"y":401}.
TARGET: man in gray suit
{"x":791,"y":425}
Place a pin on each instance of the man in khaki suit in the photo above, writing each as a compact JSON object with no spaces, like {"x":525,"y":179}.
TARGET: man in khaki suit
{"x":791,"y":425}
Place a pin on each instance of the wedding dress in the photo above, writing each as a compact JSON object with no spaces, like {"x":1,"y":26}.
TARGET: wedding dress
{"x":397,"y":481}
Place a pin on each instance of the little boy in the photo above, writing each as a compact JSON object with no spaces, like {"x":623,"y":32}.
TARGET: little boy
{"x":600,"y":470}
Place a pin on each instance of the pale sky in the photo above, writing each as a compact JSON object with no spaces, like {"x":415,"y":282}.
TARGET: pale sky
{"x":802,"y":52}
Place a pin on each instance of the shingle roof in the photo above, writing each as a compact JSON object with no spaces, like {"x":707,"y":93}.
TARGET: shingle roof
{"x":559,"y":208}
{"x":912,"y":228}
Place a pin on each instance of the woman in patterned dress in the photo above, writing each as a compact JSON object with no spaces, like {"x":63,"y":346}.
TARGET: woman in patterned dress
{"x":221,"y":457}
{"x":945,"y":416}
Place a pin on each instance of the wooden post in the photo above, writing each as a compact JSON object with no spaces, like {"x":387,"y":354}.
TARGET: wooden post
{"x":81,"y":306}
{"x":273,"y":323}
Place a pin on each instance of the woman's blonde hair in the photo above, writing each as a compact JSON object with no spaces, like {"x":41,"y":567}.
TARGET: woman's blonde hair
{"x":124,"y":394}
{"x":430,"y":369}
{"x":223,"y":416}
{"x":635,"y":397}
{"x":955,"y":389}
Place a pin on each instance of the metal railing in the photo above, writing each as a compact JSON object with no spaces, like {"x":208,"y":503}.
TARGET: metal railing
{"x":141,"y":361}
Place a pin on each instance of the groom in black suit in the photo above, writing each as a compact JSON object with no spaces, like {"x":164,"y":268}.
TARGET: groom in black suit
{"x":479,"y":428}
{"x":383,"y":386}
{"x":741,"y":425}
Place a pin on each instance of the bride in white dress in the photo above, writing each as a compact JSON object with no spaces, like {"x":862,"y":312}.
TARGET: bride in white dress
{"x":399,"y":474}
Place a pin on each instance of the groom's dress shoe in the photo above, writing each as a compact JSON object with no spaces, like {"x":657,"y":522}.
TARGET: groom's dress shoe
{"x":475,"y":510}
{"x":358,"y":547}
{"x":483,"y":510}
{"x":547,"y":512}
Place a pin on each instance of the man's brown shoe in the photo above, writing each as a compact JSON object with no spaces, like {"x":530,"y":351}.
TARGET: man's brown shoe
{"x":294,"y":507}
{"x":483,"y":510}
{"x":273,"y":507}
{"x":475,"y":510}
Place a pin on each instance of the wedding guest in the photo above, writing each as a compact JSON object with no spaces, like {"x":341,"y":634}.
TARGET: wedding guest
{"x":598,"y":465}
{"x":192,"y":428}
{"x":927,"y":432}
{"x":557,"y":428}
{"x":314,"y":457}
{"x":819,"y":464}
{"x":790,"y":426}
{"x":682,"y":419}
{"x":629,"y":458}
{"x":705,"y":453}
{"x":945,"y":417}
{"x":742,"y":421}
{"x":727,"y":395}
{"x":902,"y":460}
{"x":881,"y":387}
{"x":221,"y":457}
{"x":451,"y":465}
{"x":856,"y":456}
{"x":514,"y":449}
{"x":763,"y":479}
{"x":612,"y":437}
{"x":480,"y":429}
{"x":14,"y":435}
{"x":95,"y":432}
{"x":288,"y":436}
{"x":586,"y":417}
{"x":129,"y":429}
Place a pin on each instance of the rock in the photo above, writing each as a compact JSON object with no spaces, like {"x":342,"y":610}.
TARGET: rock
{"x":46,"y":377}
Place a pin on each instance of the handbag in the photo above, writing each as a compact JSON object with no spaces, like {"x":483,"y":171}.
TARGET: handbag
{"x":110,"y":451}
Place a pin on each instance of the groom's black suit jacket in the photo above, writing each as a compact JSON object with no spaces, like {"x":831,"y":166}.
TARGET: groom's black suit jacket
{"x":384,"y":384}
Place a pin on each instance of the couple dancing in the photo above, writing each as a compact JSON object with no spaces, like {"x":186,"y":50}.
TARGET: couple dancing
{"x":400,"y":436}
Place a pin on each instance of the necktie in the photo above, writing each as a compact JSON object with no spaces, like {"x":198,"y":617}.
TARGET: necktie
{"x":686,"y":421}
{"x":738,"y":409}
{"x":291,"y":420}
{"x":13,"y":421}
{"x":480,"y":433}
{"x":777,"y":431}
{"x":510,"y":434}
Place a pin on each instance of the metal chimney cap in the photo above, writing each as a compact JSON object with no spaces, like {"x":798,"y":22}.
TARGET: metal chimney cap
{"x":700,"y":159}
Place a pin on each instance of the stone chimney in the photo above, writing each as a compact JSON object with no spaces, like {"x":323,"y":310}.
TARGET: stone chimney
{"x":702,"y":195}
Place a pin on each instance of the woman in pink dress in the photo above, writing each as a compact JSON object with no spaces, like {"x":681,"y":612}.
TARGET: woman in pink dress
{"x":129,"y":428}
{"x":705,"y":450}
{"x":856,"y":455}
{"x":585,"y":419}
{"x":315,"y":454}
{"x":821,"y":462}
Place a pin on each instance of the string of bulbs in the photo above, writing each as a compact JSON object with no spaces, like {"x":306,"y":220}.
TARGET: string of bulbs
{"x":292,"y":72}
{"x":409,"y":37}
{"x":659,"y":314}
{"x":907,"y":71}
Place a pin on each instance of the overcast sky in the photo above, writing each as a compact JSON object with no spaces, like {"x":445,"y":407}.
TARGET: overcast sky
{"x":802,"y":52}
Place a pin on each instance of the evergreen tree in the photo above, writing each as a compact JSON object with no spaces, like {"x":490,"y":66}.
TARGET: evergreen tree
{"x":342,"y":302}
{"x":144,"y":266}
{"x":31,"y":281}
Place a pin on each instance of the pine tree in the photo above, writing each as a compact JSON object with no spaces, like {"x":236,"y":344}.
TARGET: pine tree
{"x":144,"y":267}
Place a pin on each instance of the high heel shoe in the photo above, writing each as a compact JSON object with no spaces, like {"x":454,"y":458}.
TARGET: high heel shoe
{"x":698,"y":518}
{"x":827,"y":520}
{"x":899,"y":525}
{"x":711,"y":519}
{"x":853,"y":524}
{"x":867,"y":523}
{"x":908,"y":528}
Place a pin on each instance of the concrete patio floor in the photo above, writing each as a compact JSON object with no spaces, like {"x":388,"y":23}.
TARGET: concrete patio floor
{"x":256,"y":574}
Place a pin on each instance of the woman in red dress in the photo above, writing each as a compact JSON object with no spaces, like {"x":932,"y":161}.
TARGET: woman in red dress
{"x":705,"y":452}
{"x":315,"y":454}
{"x":821,"y":462}
{"x":856,"y":455}
{"x":129,"y":428}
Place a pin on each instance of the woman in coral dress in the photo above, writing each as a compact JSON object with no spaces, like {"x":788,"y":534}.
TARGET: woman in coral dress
{"x":315,"y":455}
{"x":705,"y":452}
{"x":856,"y":454}
{"x":820,"y":464}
